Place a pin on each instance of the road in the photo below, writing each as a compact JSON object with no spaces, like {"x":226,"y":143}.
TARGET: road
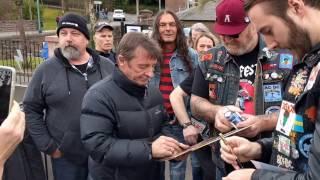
{"x":130,"y":19}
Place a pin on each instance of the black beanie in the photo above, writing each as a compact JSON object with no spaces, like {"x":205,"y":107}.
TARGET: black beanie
{"x":74,"y":21}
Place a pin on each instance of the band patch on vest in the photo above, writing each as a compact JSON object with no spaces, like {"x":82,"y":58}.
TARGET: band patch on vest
{"x":272,"y":109}
{"x":286,"y":61}
{"x":217,"y":67}
{"x":213,"y":91}
{"x":305,"y":144}
{"x":298,"y":82}
{"x":206,"y":57}
{"x":272,"y":92}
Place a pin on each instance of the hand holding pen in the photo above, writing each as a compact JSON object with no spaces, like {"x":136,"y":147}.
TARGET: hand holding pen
{"x":237,"y":149}
{"x":238,"y":164}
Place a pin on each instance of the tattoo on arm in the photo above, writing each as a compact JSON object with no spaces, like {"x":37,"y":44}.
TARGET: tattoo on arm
{"x":202,"y":108}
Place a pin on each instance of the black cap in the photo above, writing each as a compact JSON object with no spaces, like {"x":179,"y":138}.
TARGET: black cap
{"x":102,"y":24}
{"x":75,"y":21}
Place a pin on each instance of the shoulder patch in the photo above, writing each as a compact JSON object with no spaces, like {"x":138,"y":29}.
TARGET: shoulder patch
{"x":286,"y":61}
{"x":206,"y":57}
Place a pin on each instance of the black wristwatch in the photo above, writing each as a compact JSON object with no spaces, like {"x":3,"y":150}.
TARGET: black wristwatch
{"x":185,"y":125}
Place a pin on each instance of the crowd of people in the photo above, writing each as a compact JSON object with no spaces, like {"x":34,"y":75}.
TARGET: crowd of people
{"x":114,"y":112}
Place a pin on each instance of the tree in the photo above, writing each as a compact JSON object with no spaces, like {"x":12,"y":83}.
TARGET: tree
{"x":64,"y":6}
{"x":8,"y":10}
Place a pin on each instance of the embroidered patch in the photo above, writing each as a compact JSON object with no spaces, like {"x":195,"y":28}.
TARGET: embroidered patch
{"x":298,"y":124}
{"x":305,"y":144}
{"x":298,"y":82}
{"x":286,"y":118}
{"x":286,"y":61}
{"x":219,"y":56}
{"x":267,"y":67}
{"x":284,"y":162}
{"x":311,"y":113}
{"x":206,"y":57}
{"x":217,"y":67}
{"x":272,"y":92}
{"x":272,"y":109}
{"x":284,"y":145}
{"x":213,"y":91}
{"x":313,"y":76}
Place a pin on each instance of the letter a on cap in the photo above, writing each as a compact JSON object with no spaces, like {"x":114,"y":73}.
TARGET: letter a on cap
{"x":227,"y":18}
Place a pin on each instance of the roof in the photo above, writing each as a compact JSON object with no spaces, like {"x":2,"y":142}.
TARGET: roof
{"x":205,"y":13}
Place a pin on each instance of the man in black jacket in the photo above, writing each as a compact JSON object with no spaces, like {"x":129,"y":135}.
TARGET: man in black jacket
{"x":295,"y":145}
{"x":103,"y":40}
{"x":52,"y":102}
{"x":122,"y":118}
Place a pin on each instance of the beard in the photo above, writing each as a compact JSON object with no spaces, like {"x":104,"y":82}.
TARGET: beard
{"x":70,"y":52}
{"x":246,"y":45}
{"x":299,"y":40}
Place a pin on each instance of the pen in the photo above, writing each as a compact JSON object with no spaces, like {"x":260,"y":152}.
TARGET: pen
{"x":232,"y":152}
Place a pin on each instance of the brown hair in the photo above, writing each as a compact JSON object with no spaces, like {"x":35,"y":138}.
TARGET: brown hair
{"x":132,"y":40}
{"x":278,"y":7}
{"x":181,"y":44}
{"x":207,"y":35}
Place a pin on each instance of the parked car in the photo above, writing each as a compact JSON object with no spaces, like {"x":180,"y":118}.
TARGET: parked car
{"x":118,"y":14}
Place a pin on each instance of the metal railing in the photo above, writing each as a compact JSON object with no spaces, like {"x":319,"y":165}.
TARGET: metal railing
{"x":24,"y":57}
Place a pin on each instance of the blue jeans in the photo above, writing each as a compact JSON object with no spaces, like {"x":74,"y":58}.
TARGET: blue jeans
{"x":65,"y":170}
{"x":178,"y":168}
{"x":196,"y":168}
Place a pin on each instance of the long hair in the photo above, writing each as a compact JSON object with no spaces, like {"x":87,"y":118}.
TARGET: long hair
{"x":181,"y":42}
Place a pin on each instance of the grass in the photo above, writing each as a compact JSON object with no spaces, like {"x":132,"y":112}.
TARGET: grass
{"x":49,"y":18}
{"x":31,"y":63}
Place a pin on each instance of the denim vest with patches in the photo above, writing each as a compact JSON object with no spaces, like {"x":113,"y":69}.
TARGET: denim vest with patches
{"x":223,"y":74}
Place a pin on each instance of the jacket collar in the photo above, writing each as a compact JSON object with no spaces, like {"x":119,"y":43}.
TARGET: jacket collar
{"x":313,"y":56}
{"x":127,"y":85}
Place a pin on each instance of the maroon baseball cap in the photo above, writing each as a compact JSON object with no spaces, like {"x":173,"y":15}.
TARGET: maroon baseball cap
{"x":231,"y":17}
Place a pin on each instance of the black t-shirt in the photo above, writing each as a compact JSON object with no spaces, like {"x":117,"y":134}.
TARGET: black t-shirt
{"x":200,"y":86}
{"x":82,"y":67}
{"x":247,"y":64}
{"x":186,"y":85}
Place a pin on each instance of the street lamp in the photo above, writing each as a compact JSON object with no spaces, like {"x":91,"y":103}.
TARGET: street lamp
{"x":39,"y":21}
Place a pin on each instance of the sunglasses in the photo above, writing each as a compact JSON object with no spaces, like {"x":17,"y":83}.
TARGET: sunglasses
{"x":233,"y":36}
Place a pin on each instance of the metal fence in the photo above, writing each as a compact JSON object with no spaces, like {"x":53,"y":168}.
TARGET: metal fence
{"x":24,"y":57}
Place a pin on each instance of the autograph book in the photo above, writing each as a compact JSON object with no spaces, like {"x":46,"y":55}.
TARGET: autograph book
{"x":204,"y":143}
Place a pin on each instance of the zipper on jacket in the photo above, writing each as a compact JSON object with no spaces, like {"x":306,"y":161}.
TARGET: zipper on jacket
{"x":85,"y":75}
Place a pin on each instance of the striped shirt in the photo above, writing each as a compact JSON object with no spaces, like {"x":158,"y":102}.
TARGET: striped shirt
{"x":166,"y":86}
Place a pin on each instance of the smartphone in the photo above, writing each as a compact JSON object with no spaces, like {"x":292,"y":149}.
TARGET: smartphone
{"x":7,"y":86}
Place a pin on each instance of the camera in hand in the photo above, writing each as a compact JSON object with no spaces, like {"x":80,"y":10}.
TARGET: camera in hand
{"x":7,"y":85}
{"x":233,"y":117}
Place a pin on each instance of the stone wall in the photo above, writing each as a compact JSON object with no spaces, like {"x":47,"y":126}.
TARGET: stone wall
{"x":12,"y":25}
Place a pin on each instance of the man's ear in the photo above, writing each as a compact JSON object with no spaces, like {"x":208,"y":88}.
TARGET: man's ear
{"x":120,"y":60}
{"x":296,"y":6}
